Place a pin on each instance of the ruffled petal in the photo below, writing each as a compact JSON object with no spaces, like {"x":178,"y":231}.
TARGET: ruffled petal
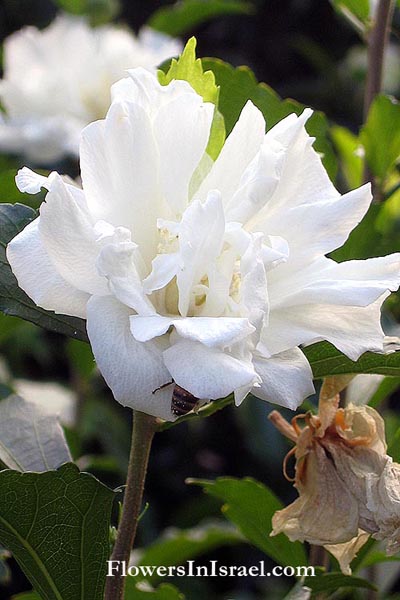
{"x":119,"y":164}
{"x":200,"y":243}
{"x":352,"y":283}
{"x":133,"y":370}
{"x":70,"y":239}
{"x":219,"y":332}
{"x":181,"y":130}
{"x":239,"y":149}
{"x":352,"y":329}
{"x":207,"y":373}
{"x":286,"y":378}
{"x":37,"y":276}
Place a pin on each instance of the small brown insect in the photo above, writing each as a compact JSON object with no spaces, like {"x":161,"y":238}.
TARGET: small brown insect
{"x":182,"y":401}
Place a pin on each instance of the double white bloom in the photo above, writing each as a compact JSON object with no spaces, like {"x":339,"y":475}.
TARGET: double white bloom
{"x":58,"y":80}
{"x":210,"y":274}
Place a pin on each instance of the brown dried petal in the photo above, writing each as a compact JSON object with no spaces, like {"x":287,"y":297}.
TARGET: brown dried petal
{"x":326,"y":511}
{"x":344,"y":553}
{"x":383,"y":499}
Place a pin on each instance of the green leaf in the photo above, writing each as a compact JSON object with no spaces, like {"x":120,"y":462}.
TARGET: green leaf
{"x":13,"y":301}
{"x":348,"y":145}
{"x":165,"y":591}
{"x":81,"y":358}
{"x":190,"y":69}
{"x":177,"y":546}
{"x":326,"y":360}
{"x":56,"y":524}
{"x":359,"y":8}
{"x":333,"y":581}
{"x":250,"y":506}
{"x":31,"y":439}
{"x":380,"y":136}
{"x":237,"y":86}
{"x":394,"y":447}
{"x":183,"y":16}
{"x":98,"y":11}
{"x":385,"y":389}
{"x":26,"y":596}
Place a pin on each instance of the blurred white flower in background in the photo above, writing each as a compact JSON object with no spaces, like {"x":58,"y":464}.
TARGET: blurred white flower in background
{"x":207,"y":273}
{"x":58,"y":80}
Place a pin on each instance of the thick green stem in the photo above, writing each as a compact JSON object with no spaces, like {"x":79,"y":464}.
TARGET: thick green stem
{"x":376,"y":44}
{"x":144,"y":427}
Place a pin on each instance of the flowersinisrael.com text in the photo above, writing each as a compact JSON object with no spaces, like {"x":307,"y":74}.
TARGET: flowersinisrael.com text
{"x":211,"y":569}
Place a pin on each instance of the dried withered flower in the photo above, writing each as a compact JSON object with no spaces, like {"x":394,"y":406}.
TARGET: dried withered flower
{"x":349,"y":488}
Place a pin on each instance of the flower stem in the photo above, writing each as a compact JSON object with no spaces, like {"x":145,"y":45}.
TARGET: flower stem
{"x":376,"y":44}
{"x":144,"y":427}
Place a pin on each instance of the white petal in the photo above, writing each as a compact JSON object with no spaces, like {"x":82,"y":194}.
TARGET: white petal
{"x":206,"y":372}
{"x":133,"y":370}
{"x":181,"y":130}
{"x":119,"y":263}
{"x":352,"y":329}
{"x":120,"y":174}
{"x":286,"y":378}
{"x":200,"y":243}
{"x":239,"y":149}
{"x":37,"y":276}
{"x":144,"y":329}
{"x":218,"y":332}
{"x":351,"y":283}
{"x":69,"y":238}
{"x":316,"y":228}
{"x":30,"y":182}
{"x":164,"y":268}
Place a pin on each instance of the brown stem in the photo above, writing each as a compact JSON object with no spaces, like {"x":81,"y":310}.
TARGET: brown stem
{"x":319,"y":557}
{"x":144,"y":427}
{"x":376,"y":44}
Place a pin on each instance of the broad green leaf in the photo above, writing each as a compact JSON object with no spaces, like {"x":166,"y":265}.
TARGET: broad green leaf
{"x":380,"y":136}
{"x":348,"y":146}
{"x":177,"y":546}
{"x":385,"y":389}
{"x":239,"y":85}
{"x":394,"y":447}
{"x":27,"y":596}
{"x":368,"y":239}
{"x":13,"y":301}
{"x":377,"y":556}
{"x":190,"y":69}
{"x":326,"y":360}
{"x":250,"y":506}
{"x":98,"y":11}
{"x":329,"y":582}
{"x":31,"y":439}
{"x":56,"y":524}
{"x":81,"y":358}
{"x":165,"y":591}
{"x":359,"y":8}
{"x":183,"y":16}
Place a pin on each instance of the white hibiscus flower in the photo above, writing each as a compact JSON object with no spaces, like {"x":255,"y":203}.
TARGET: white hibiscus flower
{"x":58,"y":80}
{"x":207,"y":274}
